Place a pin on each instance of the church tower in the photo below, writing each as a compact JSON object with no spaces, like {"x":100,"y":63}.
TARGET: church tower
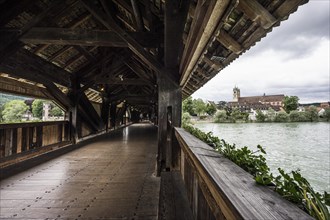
{"x":236,"y":94}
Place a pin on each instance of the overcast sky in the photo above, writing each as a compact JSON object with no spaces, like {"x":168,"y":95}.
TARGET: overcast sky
{"x":292,"y":60}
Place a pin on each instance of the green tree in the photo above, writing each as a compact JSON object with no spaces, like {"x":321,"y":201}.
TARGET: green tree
{"x":186,"y":118}
{"x":261,"y":117}
{"x":290,"y":103}
{"x":37,"y":108}
{"x":281,"y":117}
{"x":220,"y":116}
{"x":236,"y":114}
{"x":326,"y":114}
{"x":311,"y":114}
{"x":56,"y":111}
{"x":296,"y":116}
{"x":271,"y":114}
{"x":14,"y":110}
{"x":210,"y":109}
{"x":199,"y":106}
{"x":187,"y":106}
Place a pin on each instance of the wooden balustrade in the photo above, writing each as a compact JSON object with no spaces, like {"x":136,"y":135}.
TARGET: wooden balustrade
{"x":219,"y":189}
{"x":18,"y":138}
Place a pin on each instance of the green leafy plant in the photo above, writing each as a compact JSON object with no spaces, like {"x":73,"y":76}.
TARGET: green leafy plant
{"x":292,"y":187}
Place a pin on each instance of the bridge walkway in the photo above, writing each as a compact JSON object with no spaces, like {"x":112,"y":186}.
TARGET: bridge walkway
{"x":111,"y":178}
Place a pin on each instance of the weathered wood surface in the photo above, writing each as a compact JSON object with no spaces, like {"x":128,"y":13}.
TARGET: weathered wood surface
{"x":110,"y":177}
{"x":21,"y":137}
{"x":173,"y":201}
{"x":235,"y":192}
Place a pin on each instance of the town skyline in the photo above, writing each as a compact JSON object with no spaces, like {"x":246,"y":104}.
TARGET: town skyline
{"x":292,"y":60}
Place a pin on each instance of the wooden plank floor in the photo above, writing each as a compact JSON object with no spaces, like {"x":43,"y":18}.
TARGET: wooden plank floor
{"x":111,"y":178}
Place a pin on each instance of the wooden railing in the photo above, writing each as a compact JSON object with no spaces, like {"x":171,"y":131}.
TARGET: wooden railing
{"x":219,"y":189}
{"x":18,"y":138}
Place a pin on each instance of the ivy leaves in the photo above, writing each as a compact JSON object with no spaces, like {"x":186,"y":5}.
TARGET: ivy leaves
{"x":292,"y":186}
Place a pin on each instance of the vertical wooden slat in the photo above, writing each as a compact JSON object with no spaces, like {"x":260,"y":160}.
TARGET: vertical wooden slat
{"x":39,"y":135}
{"x":14,"y":141}
{"x":8,"y":143}
{"x":24,"y":139}
{"x":30,"y":137}
{"x":2,"y":142}
{"x":59,"y":132}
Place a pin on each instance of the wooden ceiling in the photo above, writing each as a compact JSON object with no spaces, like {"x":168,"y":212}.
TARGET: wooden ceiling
{"x":117,"y":48}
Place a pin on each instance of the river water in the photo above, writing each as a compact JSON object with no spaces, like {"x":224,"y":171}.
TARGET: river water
{"x":291,"y":146}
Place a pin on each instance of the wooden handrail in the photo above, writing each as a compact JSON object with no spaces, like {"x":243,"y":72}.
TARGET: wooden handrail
{"x":31,"y":124}
{"x":227,"y":189}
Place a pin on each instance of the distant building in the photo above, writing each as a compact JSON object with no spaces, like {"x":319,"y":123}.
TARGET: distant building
{"x":270,"y":100}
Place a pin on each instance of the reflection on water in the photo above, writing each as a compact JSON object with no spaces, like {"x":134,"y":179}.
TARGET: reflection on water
{"x":291,"y":146}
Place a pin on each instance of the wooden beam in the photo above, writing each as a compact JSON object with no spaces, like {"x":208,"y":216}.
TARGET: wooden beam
{"x":11,"y":9}
{"x":85,"y":37}
{"x":175,"y":17}
{"x":29,"y":61}
{"x":59,"y":53}
{"x":12,"y":46}
{"x":136,"y":48}
{"x":257,"y":13}
{"x":13,"y":86}
{"x":137,"y":15}
{"x":226,"y":40}
{"x":208,"y":14}
{"x":213,"y":63}
{"x":115,"y":81}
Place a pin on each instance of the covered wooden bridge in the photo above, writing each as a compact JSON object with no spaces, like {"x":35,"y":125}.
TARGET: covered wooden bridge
{"x":111,"y":64}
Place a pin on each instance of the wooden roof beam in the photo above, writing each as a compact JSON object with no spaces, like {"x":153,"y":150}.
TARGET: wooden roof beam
{"x":116,"y":81}
{"x":213,"y":63}
{"x":38,"y":65}
{"x":84,"y":37}
{"x":208,"y":14}
{"x":257,"y":13}
{"x":59,"y":53}
{"x":135,"y":47}
{"x":137,"y":15}
{"x":226,"y":40}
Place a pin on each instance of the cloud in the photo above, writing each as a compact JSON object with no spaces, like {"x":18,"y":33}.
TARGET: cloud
{"x":296,"y":35}
{"x":271,"y":72}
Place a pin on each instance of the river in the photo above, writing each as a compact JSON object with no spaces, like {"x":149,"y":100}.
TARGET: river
{"x":291,"y":146}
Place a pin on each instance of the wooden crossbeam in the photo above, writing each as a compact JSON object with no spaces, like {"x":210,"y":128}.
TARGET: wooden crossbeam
{"x":25,"y":60}
{"x":117,"y":81}
{"x":22,"y":88}
{"x":257,"y":13}
{"x":226,"y":40}
{"x":137,"y":15}
{"x":135,"y":47}
{"x":212,"y":63}
{"x":84,"y":37}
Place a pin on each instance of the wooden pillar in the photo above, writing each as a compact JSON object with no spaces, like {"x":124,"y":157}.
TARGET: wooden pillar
{"x":113,"y":112}
{"x":74,"y":119}
{"x":105,"y":112}
{"x":24,"y":145}
{"x":169,"y":91}
{"x":169,"y":116}
{"x":39,"y":136}
{"x":2,"y":142}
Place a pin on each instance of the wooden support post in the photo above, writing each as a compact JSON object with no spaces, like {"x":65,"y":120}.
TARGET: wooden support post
{"x":30,"y":137}
{"x":113,"y":109}
{"x":105,"y":112}
{"x":169,"y":115}
{"x":14,"y":141}
{"x":2,"y":142}
{"x":39,"y":135}
{"x":59,"y":133}
{"x":24,"y":145}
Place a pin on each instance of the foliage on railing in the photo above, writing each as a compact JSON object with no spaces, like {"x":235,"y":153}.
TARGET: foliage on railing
{"x":294,"y":188}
